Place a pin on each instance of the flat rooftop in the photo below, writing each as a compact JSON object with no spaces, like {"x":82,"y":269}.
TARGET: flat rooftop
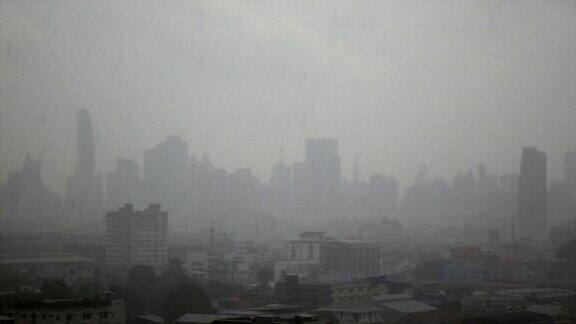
{"x":42,"y":258}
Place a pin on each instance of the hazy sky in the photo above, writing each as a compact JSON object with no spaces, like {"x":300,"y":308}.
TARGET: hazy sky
{"x":448,"y":84}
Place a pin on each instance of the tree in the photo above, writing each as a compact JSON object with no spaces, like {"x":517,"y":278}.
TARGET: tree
{"x":567,"y":251}
{"x":9,"y":278}
{"x":141,"y":293}
{"x":218,"y":289}
{"x":173,"y":276}
{"x":186,"y":298}
{"x":55,"y":289}
{"x":429,"y":270}
{"x":88,"y":289}
{"x":264,"y":276}
{"x":141,"y":277}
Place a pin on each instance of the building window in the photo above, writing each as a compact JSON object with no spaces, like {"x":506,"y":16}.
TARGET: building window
{"x":104,"y":315}
{"x":86,"y":316}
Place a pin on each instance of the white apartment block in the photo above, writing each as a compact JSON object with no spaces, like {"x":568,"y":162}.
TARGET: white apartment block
{"x":136,"y":237}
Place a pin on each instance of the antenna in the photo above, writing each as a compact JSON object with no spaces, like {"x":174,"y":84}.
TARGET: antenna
{"x":514,"y":245}
{"x":513,"y":232}
{"x":279,"y":138}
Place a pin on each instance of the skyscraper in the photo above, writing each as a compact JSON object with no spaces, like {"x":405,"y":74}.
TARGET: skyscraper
{"x":85,"y":145}
{"x":532,"y":184}
{"x":570,"y":169}
{"x":123,"y":185}
{"x":384,"y":196}
{"x":282,"y":189}
{"x":570,"y":180}
{"x":508,"y":183}
{"x":18,"y":181}
{"x":27,"y":199}
{"x":166,"y":173}
{"x":84,"y":197}
{"x":322,"y":166}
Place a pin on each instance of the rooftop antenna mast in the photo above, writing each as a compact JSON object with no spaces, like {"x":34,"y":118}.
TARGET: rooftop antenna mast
{"x":279,"y":139}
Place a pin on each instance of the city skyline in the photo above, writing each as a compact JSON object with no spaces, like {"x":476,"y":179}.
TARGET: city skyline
{"x":287,"y":162}
{"x":497,"y":76}
{"x":558,"y":172}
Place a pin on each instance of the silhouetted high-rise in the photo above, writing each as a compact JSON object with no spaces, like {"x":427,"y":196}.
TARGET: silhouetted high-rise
{"x":84,"y":200}
{"x":570,"y":178}
{"x":27,"y":199}
{"x":384,"y":196}
{"x":570,"y":169}
{"x":508,"y":183}
{"x":29,"y":175}
{"x":123,"y":185}
{"x":85,"y":145}
{"x":532,"y":184}
{"x":323,"y":176}
{"x":282,"y":189}
{"x":165,"y":174}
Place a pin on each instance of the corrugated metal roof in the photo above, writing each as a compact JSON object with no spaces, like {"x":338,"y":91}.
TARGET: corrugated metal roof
{"x":151,"y":318}
{"x":409,"y":306}
{"x":391,"y":297}
{"x":201,"y":318}
{"x":350,"y":306}
{"x":550,"y":310}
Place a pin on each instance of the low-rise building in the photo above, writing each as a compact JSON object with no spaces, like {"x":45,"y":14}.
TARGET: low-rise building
{"x":321,"y":293}
{"x":404,"y":311}
{"x":68,"y":275}
{"x":147,"y":318}
{"x":353,"y":311}
{"x":470,"y":264}
{"x":360,"y":258}
{"x":7,"y":320}
{"x":44,"y":260}
{"x":411,"y":311}
{"x":562,"y":234}
{"x":314,"y":253}
{"x":558,"y":313}
{"x":85,"y":311}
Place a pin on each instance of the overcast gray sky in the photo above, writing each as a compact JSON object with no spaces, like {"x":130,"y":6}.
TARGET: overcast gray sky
{"x":448,"y":84}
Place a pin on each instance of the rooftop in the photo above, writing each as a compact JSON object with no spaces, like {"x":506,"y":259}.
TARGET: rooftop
{"x":391,"y":297}
{"x":351,"y":306}
{"x":64,"y":303}
{"x":409,"y":306}
{"x":516,"y":317}
{"x":43,"y":258}
{"x":151,"y":318}
{"x":201,"y":318}
{"x":550,"y":310}
{"x":51,"y":273}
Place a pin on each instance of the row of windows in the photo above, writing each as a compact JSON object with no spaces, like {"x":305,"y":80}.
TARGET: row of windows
{"x":103,"y":315}
{"x":352,"y":289}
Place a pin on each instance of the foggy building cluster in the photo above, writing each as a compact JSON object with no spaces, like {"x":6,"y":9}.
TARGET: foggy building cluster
{"x":276,"y":162}
{"x":305,"y":194}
